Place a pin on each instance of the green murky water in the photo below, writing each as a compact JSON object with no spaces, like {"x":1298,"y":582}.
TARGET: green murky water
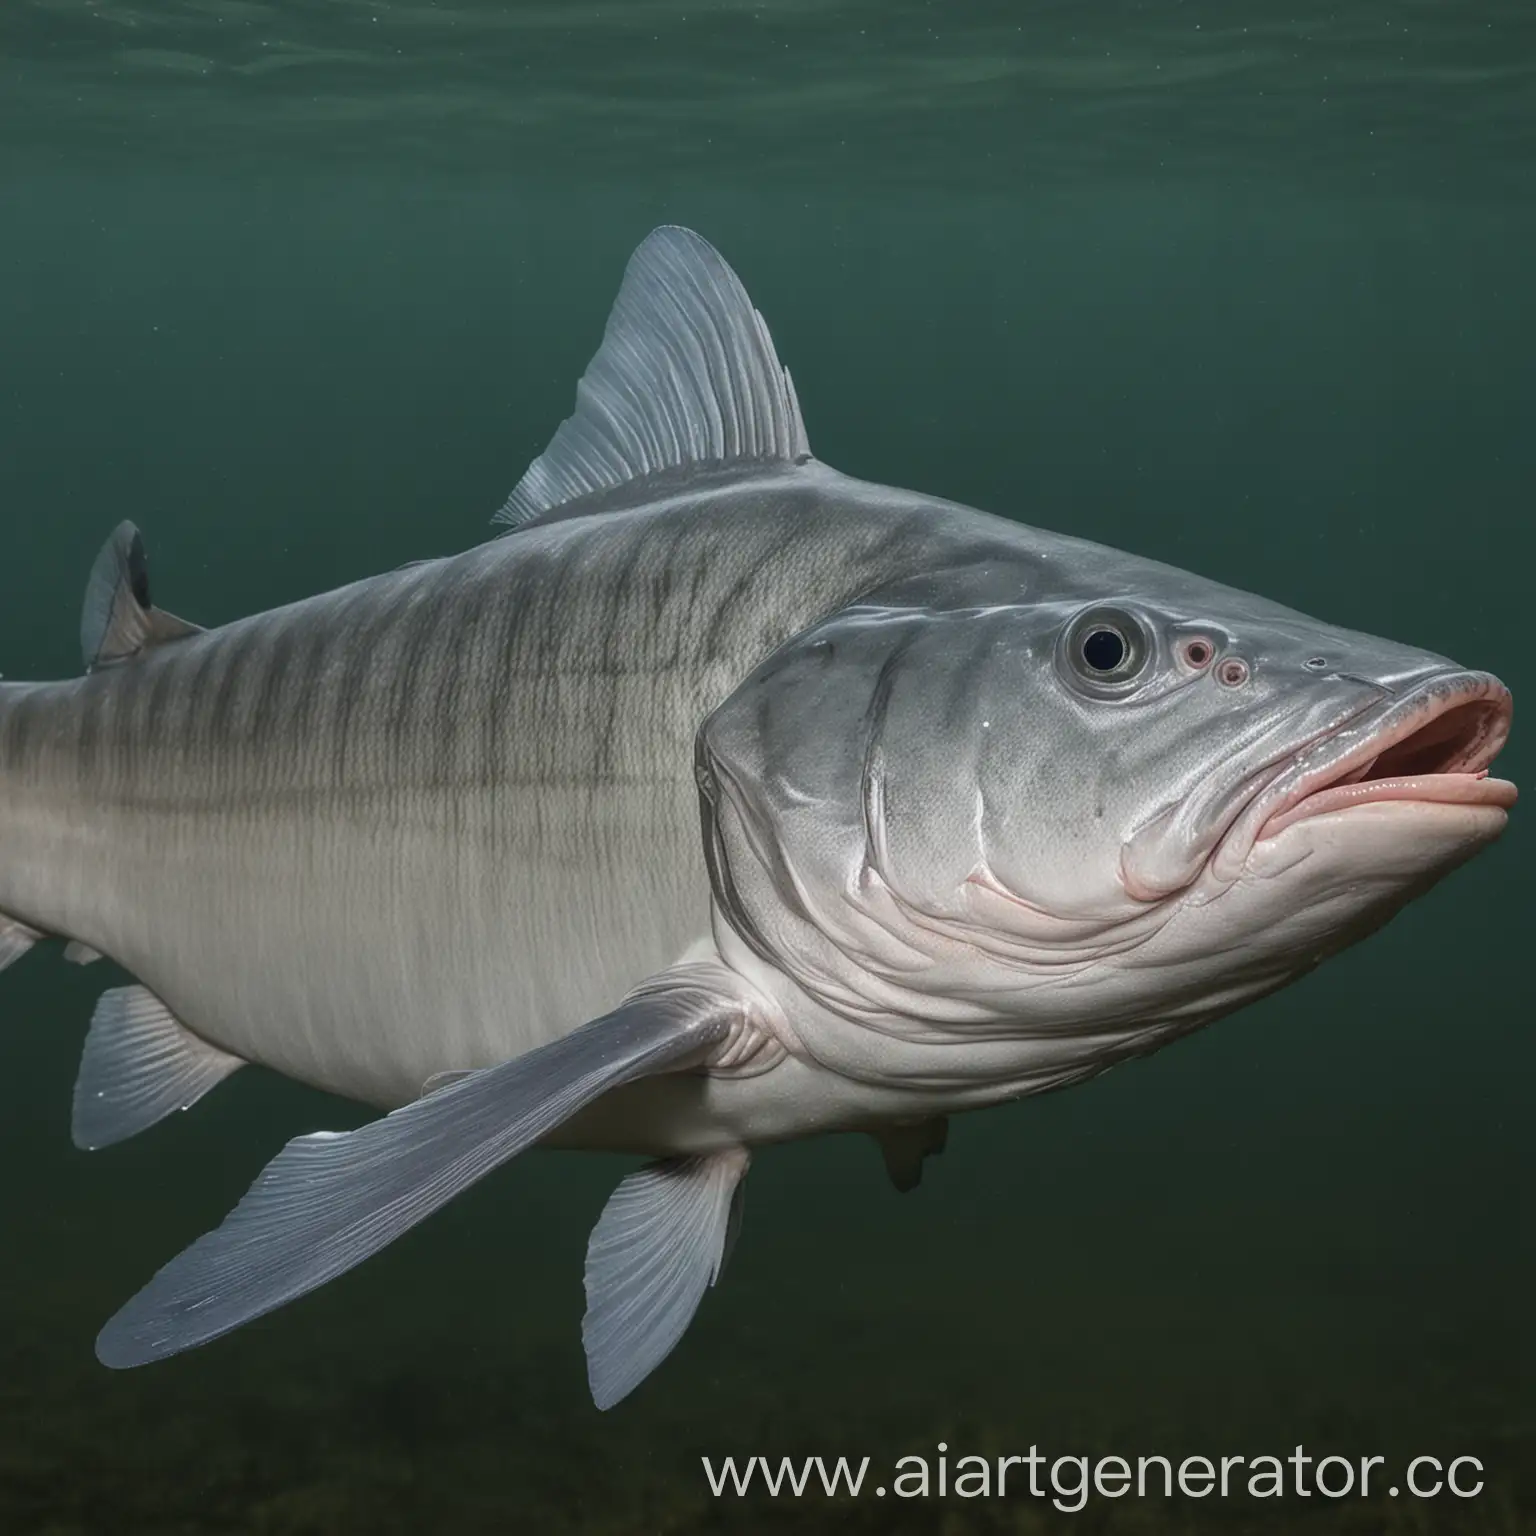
{"x":301,"y":288}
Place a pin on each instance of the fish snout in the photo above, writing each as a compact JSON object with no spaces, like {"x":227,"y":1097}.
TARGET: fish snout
{"x":1431,"y":744}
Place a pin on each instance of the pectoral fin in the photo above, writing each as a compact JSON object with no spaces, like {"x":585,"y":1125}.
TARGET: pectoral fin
{"x":660,"y":1243}
{"x":328,"y":1201}
{"x":440,"y":1080}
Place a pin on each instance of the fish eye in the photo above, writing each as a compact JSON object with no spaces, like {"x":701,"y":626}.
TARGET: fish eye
{"x":1104,"y":649}
{"x":1106,"y":646}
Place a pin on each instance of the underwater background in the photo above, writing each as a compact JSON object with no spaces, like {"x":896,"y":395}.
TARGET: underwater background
{"x":301,"y":286}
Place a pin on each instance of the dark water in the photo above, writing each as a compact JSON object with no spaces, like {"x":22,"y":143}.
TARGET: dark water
{"x":302,"y":287}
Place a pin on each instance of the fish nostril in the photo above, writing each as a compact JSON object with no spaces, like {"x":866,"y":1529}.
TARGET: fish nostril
{"x":1315,"y":663}
{"x":1232,"y":672}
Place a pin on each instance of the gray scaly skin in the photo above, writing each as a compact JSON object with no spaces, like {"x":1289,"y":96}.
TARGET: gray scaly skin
{"x":725,"y":800}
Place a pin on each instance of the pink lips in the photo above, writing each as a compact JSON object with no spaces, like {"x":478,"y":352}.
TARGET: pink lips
{"x":1437,"y":754}
{"x":1430,"y":788}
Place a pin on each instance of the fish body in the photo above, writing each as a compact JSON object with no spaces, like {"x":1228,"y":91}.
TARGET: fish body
{"x":430,"y":820}
{"x":725,"y":800}
{"x":478,"y":771}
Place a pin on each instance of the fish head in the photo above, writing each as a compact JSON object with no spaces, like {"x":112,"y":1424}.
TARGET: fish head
{"x":1085,"y":791}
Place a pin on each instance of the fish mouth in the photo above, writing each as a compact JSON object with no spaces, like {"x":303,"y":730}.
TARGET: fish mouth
{"x":1432,"y":747}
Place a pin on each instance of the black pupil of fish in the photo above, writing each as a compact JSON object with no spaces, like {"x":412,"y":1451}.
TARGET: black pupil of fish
{"x":1103,"y":650}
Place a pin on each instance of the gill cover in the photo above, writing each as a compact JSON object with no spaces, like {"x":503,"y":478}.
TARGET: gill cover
{"x":827,"y":780}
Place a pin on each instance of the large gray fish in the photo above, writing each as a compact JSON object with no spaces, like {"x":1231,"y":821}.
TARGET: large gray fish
{"x":984,"y":811}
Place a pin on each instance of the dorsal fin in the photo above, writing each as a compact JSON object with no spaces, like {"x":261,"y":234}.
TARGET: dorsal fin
{"x":118,"y":619}
{"x":686,"y":376}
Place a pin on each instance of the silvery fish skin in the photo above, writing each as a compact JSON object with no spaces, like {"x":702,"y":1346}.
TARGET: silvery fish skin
{"x":724,"y":800}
